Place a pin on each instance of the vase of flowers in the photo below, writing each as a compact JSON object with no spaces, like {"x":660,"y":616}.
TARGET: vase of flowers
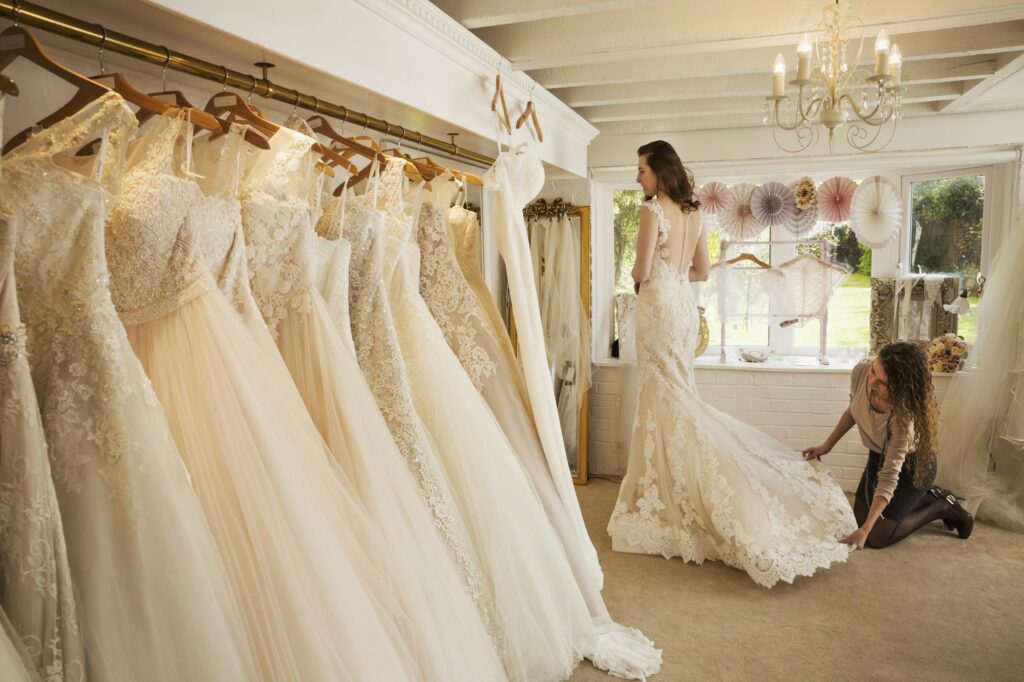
{"x":946,"y":353}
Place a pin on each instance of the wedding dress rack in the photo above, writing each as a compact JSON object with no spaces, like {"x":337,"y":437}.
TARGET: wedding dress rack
{"x":49,"y":20}
{"x":824,"y":245}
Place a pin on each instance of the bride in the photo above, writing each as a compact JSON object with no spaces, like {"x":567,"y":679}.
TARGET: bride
{"x":700,"y":484}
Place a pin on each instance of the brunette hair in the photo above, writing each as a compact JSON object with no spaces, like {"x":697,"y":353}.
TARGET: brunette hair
{"x":674,"y":179}
{"x":913,"y":401}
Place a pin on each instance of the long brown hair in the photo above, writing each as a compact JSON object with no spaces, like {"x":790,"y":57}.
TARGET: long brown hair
{"x":674,"y":179}
{"x":913,"y":401}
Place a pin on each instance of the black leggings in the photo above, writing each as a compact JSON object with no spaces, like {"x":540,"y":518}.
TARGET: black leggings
{"x":910,"y":508}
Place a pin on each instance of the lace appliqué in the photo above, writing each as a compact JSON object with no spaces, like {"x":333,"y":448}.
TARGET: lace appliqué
{"x":12,"y":344}
{"x":449,"y":297}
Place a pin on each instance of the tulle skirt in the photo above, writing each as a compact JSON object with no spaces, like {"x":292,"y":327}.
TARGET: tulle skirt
{"x":302,"y":555}
{"x":444,"y":627}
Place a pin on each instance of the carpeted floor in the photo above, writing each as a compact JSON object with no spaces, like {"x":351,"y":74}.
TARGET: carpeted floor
{"x":931,"y":608}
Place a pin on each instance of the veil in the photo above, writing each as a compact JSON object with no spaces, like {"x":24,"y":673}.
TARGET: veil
{"x":983,"y":411}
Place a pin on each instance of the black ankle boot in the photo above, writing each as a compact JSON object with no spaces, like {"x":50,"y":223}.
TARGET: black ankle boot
{"x":939,"y":493}
{"x":957,"y":518}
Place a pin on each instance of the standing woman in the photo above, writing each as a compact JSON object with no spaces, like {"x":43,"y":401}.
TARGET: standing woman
{"x":892,"y":403}
{"x":699,"y":484}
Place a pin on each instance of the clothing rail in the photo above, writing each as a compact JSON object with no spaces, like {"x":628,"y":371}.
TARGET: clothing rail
{"x":30,"y":14}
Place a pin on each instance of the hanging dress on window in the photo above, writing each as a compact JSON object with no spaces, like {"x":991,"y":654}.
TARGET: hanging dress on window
{"x":152,"y":590}
{"x":699,"y":484}
{"x":35,"y":580}
{"x":440,"y":625}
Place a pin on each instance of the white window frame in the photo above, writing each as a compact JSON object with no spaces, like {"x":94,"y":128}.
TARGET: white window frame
{"x":987,"y":237}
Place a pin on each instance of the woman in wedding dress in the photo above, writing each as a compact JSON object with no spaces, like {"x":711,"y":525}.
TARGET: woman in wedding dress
{"x":699,"y":484}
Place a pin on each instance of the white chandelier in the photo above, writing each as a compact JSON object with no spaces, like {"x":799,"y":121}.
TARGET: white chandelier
{"x":836,"y":95}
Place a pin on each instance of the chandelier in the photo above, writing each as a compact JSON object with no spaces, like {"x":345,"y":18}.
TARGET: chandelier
{"x":839,"y":94}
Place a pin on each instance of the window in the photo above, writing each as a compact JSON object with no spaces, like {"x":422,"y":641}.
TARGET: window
{"x":947,"y":217}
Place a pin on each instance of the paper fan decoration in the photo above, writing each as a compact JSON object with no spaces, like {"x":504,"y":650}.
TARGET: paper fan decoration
{"x":804,"y":220}
{"x":712,"y":197}
{"x":835,"y":197}
{"x":772,"y":204}
{"x":735,"y":219}
{"x":803,"y":193}
{"x":876,"y":212}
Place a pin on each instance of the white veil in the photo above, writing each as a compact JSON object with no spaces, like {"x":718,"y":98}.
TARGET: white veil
{"x":982,"y":426}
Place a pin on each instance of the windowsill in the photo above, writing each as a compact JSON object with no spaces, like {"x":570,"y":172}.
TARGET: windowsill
{"x":779,"y":363}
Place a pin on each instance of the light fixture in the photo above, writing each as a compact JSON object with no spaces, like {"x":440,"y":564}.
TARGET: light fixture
{"x":827,"y":98}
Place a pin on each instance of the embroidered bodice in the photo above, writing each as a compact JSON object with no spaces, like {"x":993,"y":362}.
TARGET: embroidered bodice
{"x":217,"y":215}
{"x":151,"y":244}
{"x":277,"y":189}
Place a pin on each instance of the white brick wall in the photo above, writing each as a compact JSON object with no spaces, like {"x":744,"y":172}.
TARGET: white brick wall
{"x":799,"y":407}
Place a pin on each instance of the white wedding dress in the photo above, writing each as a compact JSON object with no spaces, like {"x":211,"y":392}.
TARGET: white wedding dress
{"x":154,"y":601}
{"x":35,"y":580}
{"x":701,"y":485}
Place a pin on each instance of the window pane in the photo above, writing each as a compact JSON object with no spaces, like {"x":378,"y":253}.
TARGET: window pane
{"x":849,"y":312}
{"x":626,"y":209}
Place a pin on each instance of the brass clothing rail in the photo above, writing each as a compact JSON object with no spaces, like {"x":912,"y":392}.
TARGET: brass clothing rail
{"x":30,"y":14}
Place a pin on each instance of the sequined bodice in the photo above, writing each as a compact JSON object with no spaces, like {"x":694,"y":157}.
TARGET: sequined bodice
{"x":151,"y":243}
{"x":276,"y":217}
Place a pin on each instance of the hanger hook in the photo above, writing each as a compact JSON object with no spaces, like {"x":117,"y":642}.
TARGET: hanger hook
{"x":252,"y":89}
{"x":103,"y":41}
{"x":224,"y":84}
{"x":316,"y":105}
{"x":163,"y":73}
{"x":296,"y":107}
{"x":366,"y":122}
{"x":17,"y":12}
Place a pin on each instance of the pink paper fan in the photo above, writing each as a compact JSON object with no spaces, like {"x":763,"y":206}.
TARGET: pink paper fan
{"x":736,"y":220}
{"x":772,"y":204}
{"x":835,"y":198}
{"x":712,"y":197}
{"x":804,"y":220}
{"x":876,"y":212}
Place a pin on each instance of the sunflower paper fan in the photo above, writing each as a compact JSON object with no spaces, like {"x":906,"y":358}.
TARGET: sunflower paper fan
{"x":772,"y":204}
{"x":876,"y":211}
{"x":804,"y":219}
{"x":835,"y":198}
{"x":736,"y":219}
{"x":712,"y":197}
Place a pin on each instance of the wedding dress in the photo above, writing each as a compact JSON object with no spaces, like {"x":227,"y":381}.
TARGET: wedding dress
{"x":290,"y":531}
{"x":543,"y":619}
{"x":700,"y":484}
{"x":154,"y":602}
{"x":472,"y":325}
{"x":332,"y":258}
{"x":441,"y":625}
{"x":35,"y":580}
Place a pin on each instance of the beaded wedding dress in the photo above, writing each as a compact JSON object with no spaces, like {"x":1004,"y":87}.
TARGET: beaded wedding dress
{"x":35,"y":580}
{"x":291,"y":532}
{"x":542,"y":617}
{"x":441,"y":625}
{"x":154,"y":602}
{"x":701,"y":485}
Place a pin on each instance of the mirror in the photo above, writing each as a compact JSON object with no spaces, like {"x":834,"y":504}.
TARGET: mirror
{"x":559,"y":235}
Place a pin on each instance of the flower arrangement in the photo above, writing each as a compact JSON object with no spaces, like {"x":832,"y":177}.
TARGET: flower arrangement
{"x":804,"y":193}
{"x":946,"y":353}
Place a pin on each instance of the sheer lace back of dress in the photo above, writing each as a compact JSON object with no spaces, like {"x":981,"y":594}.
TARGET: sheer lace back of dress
{"x":690,"y":235}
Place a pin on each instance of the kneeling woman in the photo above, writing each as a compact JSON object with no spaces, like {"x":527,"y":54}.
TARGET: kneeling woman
{"x":893,"y":406}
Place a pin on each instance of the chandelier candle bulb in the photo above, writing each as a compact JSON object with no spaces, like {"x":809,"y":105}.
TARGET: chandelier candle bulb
{"x":895,"y":63}
{"x":803,"y":59}
{"x":779,"y":80}
{"x":882,"y":54}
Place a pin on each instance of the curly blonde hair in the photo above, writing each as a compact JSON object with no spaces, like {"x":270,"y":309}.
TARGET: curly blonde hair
{"x":913,"y":402}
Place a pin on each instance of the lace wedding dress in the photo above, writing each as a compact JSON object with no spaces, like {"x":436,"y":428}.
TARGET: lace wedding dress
{"x":701,"y":485}
{"x":290,"y":530}
{"x":543,"y":619}
{"x":153,"y":597}
{"x":332,"y":258}
{"x":441,"y":625}
{"x":15,"y":664}
{"x":35,"y":581}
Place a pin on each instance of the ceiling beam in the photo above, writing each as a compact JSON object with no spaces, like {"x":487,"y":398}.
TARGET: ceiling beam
{"x":725,"y":106}
{"x":972,"y":95}
{"x":476,"y":14}
{"x":746,"y":85}
{"x":665,"y":31}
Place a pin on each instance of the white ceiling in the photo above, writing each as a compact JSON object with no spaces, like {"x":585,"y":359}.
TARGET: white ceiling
{"x":645,"y":66}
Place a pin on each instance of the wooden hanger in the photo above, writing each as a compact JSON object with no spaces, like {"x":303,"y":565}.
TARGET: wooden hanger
{"x":749,"y":257}
{"x":229,"y":107}
{"x":530,"y":112}
{"x":16,"y":42}
{"x":8,"y":86}
{"x":499,"y":95}
{"x":319,"y":125}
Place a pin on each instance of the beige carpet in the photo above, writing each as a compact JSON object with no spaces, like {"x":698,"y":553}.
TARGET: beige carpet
{"x":931,"y":608}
